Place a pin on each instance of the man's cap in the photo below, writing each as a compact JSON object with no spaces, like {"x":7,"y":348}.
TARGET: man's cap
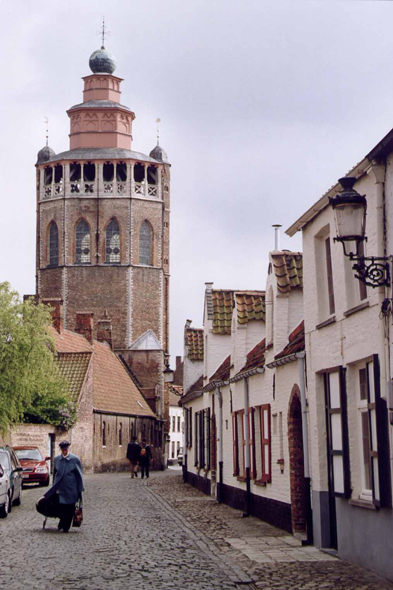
{"x":64,"y":444}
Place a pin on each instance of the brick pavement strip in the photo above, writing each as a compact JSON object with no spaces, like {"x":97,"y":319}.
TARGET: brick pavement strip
{"x":271,"y":558}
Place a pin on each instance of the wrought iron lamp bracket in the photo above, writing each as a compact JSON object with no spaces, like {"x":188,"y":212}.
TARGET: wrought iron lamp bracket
{"x":374,"y":271}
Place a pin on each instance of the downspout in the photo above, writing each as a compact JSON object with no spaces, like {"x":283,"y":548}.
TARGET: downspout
{"x":307,"y":480}
{"x":246,"y":424}
{"x":220,"y":446}
{"x":185,"y":440}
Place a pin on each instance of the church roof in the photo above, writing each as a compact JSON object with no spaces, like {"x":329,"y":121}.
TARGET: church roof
{"x":101,"y":154}
{"x":99,"y":104}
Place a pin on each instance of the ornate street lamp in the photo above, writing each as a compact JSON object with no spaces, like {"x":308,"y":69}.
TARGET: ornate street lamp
{"x":169,"y":375}
{"x":350,"y":217}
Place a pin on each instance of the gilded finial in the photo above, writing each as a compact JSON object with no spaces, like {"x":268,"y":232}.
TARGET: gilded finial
{"x":158,"y":121}
{"x":47,"y":130}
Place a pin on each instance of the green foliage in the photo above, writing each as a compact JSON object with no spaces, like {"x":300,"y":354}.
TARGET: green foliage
{"x":31,"y":388}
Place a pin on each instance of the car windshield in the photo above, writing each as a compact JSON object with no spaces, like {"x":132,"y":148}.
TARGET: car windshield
{"x":29,"y":454}
{"x":5,"y":460}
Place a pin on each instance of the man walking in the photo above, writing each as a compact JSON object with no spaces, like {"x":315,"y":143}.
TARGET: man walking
{"x":133,"y":454}
{"x":67,"y":485}
{"x":144,"y":458}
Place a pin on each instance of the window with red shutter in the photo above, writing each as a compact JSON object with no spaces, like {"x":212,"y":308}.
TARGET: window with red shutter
{"x":266,"y":446}
{"x":235,"y":445}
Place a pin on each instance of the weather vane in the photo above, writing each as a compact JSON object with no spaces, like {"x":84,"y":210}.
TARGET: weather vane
{"x":104,"y":33}
{"x":158,"y":121}
{"x":47,"y":129}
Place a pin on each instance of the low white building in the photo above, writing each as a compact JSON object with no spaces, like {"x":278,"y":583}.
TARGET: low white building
{"x":176,"y":426}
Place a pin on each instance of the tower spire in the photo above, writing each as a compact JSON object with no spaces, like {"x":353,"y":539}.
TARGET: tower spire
{"x":158,"y":121}
{"x":46,"y":130}
{"x":104,"y":33}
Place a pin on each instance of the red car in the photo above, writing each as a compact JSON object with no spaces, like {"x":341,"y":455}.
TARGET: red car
{"x":35,"y":468}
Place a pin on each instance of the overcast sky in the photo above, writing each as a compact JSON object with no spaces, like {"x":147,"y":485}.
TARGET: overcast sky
{"x":264,"y":105}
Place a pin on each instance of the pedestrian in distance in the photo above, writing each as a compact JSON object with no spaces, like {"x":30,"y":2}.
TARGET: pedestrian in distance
{"x":67,"y":485}
{"x":144,"y":459}
{"x":133,"y":454}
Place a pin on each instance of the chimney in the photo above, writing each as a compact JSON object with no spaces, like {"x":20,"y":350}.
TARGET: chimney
{"x":277,"y":236}
{"x":56,"y":306}
{"x":104,"y":329}
{"x":84,"y":324}
{"x":178,"y":362}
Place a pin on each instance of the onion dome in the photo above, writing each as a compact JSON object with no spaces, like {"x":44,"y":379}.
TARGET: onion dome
{"x":159,"y":154}
{"x":45,"y":154}
{"x":102,"y":62}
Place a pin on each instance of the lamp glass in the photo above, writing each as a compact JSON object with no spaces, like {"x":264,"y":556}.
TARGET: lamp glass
{"x":350,"y":221}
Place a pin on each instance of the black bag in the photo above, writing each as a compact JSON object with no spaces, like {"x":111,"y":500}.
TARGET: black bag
{"x":49,"y":507}
{"x":78,"y":514}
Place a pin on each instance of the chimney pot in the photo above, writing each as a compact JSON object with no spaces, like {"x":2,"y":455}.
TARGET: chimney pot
{"x":104,"y":330}
{"x":56,"y":311}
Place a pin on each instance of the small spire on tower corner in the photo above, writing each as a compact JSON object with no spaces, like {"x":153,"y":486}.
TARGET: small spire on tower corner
{"x":158,"y":121}
{"x":46,"y":130}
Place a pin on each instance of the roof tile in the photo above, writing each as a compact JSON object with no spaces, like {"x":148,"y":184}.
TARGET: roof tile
{"x":250,"y":305}
{"x":66,"y":341}
{"x":223,"y":371}
{"x":256,"y":357}
{"x":73,"y":368}
{"x":288,"y":268}
{"x":194,"y":341}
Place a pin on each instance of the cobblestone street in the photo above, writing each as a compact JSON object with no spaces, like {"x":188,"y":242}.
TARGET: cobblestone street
{"x":160,"y":533}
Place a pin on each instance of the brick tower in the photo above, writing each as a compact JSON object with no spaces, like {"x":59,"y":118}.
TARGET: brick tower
{"x":103,"y":228}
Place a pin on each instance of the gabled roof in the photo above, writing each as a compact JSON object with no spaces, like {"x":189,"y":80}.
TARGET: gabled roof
{"x":194,"y":342}
{"x":288,"y":268}
{"x":148,"y":341}
{"x":256,"y":357}
{"x":250,"y":305}
{"x":223,"y":371}
{"x":175,"y":393}
{"x":296,"y":342}
{"x":114,"y":390}
{"x":223,"y":303}
{"x":73,"y":367}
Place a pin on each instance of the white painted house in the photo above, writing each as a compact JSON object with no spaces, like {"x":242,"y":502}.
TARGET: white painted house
{"x":349,"y":372}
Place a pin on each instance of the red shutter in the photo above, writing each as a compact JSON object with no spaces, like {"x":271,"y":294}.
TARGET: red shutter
{"x":253,"y":467}
{"x":266,"y":447}
{"x":235,"y":445}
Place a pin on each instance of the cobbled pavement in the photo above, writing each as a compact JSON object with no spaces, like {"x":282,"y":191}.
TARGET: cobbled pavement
{"x":159,"y":534}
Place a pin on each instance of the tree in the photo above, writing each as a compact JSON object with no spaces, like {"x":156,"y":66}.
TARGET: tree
{"x":31,"y":388}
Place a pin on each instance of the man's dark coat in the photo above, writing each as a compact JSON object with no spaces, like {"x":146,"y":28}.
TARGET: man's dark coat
{"x":67,"y":479}
{"x":133,"y":451}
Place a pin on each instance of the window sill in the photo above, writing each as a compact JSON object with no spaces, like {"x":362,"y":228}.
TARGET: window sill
{"x":362,"y":504}
{"x":357,"y":308}
{"x":326,"y":323}
{"x":241,"y":478}
{"x":258,"y":482}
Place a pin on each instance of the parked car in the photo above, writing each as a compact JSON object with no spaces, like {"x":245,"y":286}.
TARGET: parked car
{"x":5,"y":493}
{"x":35,"y":468}
{"x":10,"y":464}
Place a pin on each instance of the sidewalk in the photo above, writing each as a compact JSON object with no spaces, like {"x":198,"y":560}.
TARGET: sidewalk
{"x":269,"y":556}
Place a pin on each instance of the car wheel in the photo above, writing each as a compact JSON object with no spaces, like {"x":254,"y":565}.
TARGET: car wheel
{"x":4,"y":508}
{"x":18,"y":500}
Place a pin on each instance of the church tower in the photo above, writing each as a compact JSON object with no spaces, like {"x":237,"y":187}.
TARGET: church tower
{"x":103,"y":228}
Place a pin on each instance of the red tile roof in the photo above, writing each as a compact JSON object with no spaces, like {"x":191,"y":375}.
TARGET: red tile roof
{"x":256,"y":357}
{"x":114,"y":390}
{"x":194,"y":341}
{"x":73,"y":367}
{"x":296,"y":342}
{"x":175,"y":392}
{"x":223,"y":303}
{"x":69,"y":341}
{"x":223,"y":371}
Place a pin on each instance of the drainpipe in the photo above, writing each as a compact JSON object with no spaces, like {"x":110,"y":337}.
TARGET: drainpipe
{"x":247,"y":450}
{"x":220,"y":445}
{"x":307,"y":480}
{"x":185,"y":450}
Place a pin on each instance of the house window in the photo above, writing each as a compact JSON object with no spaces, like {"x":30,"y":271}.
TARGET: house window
{"x":173,"y":449}
{"x":374,"y":438}
{"x":261,"y":428}
{"x":145,"y":242}
{"x":362,"y":286}
{"x":178,"y":424}
{"x":188,"y":419}
{"x":202,"y":448}
{"x":112,"y":250}
{"x":178,"y":448}
{"x":53,"y":244}
{"x":207,"y":433}
{"x":329,"y":271}
{"x":238,"y":444}
{"x":173,"y":423}
{"x":82,"y":243}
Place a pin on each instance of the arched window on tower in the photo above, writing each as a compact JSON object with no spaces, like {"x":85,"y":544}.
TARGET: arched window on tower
{"x":53,"y":244}
{"x":112,"y":250}
{"x":145,"y":243}
{"x":82,"y":243}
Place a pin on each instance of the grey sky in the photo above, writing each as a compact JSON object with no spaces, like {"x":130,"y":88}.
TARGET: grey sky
{"x":263,"y":106}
